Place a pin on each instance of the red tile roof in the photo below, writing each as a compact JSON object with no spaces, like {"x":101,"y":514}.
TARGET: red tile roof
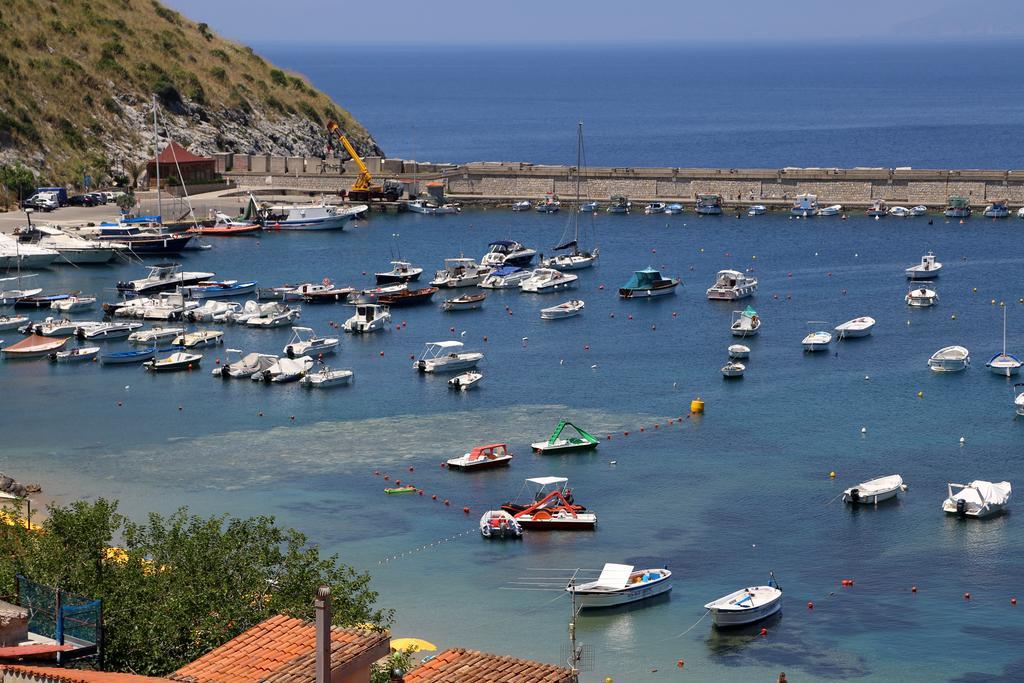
{"x":58,"y":675}
{"x":457,"y":665}
{"x":280,"y":649}
{"x":17,"y":651}
{"x":175,"y":151}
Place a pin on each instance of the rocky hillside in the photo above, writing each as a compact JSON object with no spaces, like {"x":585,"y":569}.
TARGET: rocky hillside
{"x":77,"y":79}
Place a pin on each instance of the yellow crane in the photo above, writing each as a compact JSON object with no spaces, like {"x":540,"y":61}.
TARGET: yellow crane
{"x":363,"y":188}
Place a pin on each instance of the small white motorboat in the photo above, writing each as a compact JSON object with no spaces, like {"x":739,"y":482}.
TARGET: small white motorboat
{"x":374,"y":294}
{"x":674,"y":209}
{"x":731,"y":285}
{"x":460,"y":272}
{"x":733,"y":369}
{"x":213,"y":311}
{"x":950,"y":359}
{"x":655,"y":207}
{"x":13,"y":322}
{"x":919,"y":210}
{"x":831,"y":210}
{"x":1004,"y":364}
{"x":506,"y":277}
{"x":874,"y":491}
{"x":446,"y":356}
{"x":499,"y":524}
{"x":82,"y":354}
{"x":107,"y":331}
{"x":921,"y":296}
{"x":482,"y":458}
{"x":57,"y":327}
{"x":746,"y":605}
{"x":305,"y":342}
{"x":152,"y":336}
{"x":325,"y":378}
{"x":620,"y":584}
{"x":817,"y":340}
{"x":465,"y":381}
{"x":926,"y":270}
{"x":545,"y":280}
{"x":244,"y":366}
{"x":745,"y":323}
{"x":853,"y":329}
{"x":739,"y":351}
{"x":274,"y":315}
{"x":74,"y":303}
{"x":466,"y":302}
{"x":368,"y":318}
{"x":1018,"y":399}
{"x":757,"y":210}
{"x":285,"y":370}
{"x":978,"y":499}
{"x":174,"y":362}
{"x":899,"y":211}
{"x":522,"y":205}
{"x":195,"y":340}
{"x":567,"y":309}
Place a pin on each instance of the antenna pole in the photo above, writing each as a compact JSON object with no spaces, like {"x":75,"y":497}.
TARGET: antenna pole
{"x":574,"y":653}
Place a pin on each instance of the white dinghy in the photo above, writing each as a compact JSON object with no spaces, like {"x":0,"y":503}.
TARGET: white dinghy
{"x":619,"y":584}
{"x":817,"y":340}
{"x":747,"y":605}
{"x":567,"y":309}
{"x":874,"y":491}
{"x":921,"y":296}
{"x":978,"y":499}
{"x":465,"y":381}
{"x":326,"y":378}
{"x":733,"y":369}
{"x":739,"y":352}
{"x":950,"y":359}
{"x":858,"y":327}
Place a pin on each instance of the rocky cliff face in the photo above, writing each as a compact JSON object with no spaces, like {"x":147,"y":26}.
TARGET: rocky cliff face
{"x":77,"y":79}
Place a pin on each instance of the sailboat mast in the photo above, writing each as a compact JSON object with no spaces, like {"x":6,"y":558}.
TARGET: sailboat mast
{"x":156,"y":158}
{"x":579,"y":170}
{"x":1004,"y":329}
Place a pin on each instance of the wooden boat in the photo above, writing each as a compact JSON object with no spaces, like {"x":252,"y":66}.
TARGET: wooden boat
{"x":466,"y":302}
{"x":557,"y":443}
{"x":408,"y":297}
{"x":224,"y":226}
{"x":465,"y":381}
{"x":746,"y":605}
{"x":499,"y":524}
{"x":874,"y":491}
{"x":620,"y":584}
{"x":174,"y":363}
{"x":34,"y":346}
{"x":81,"y":354}
{"x":950,"y":359}
{"x":483,"y":458}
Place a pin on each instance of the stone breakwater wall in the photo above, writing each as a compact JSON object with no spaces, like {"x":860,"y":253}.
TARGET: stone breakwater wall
{"x":501,"y":181}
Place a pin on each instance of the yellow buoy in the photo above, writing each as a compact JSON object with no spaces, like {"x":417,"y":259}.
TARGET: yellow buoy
{"x":697,"y":405}
{"x":832,"y":474}
{"x":974,"y":289}
{"x":920,"y":394}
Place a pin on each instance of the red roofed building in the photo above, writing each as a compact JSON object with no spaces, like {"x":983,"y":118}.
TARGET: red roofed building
{"x":47,"y":674}
{"x":457,"y":665}
{"x":195,"y":170}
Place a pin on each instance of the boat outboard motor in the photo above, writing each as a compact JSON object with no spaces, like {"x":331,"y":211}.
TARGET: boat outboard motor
{"x":854,"y":495}
{"x":961,"y":507}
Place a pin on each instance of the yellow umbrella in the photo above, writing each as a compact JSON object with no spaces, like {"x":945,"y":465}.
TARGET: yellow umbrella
{"x":417,"y":645}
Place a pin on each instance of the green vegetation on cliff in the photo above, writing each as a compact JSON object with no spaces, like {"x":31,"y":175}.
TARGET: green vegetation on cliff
{"x":77,"y":79}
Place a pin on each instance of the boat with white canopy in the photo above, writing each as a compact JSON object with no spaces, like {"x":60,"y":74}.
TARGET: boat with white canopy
{"x":306,"y":342}
{"x":979,"y":499}
{"x":446,"y":356}
{"x":874,"y":491}
{"x":621,"y":584}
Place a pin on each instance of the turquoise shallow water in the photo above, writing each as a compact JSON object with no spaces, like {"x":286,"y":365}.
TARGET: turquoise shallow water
{"x":722,"y":499}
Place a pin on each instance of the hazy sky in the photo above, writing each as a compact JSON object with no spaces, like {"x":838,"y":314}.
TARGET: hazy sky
{"x":602,"y":21}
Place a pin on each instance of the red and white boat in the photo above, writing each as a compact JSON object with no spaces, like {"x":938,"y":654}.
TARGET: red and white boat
{"x":552,"y":508}
{"x":483,"y":457}
{"x":34,"y":346}
{"x":224,"y":226}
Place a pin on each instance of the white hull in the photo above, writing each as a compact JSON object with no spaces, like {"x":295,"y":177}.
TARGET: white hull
{"x":600,"y":599}
{"x":27,"y":261}
{"x":745,"y":606}
{"x":874,"y":491}
{"x":648,"y":293}
{"x":734,"y":618}
{"x":734,"y":294}
{"x":84,"y":256}
{"x":448,"y":364}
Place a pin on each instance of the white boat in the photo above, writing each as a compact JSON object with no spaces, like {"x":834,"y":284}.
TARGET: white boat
{"x":1018,"y":399}
{"x":731,"y":285}
{"x":549,"y":204}
{"x":12,"y":322}
{"x":285,"y":370}
{"x":674,"y":209}
{"x":275,"y":315}
{"x":57,"y":327}
{"x":709,"y":204}
{"x":978,"y":499}
{"x":499,"y":524}
{"x":832,"y":210}
{"x":81,"y":354}
{"x":33,"y":346}
{"x":878,"y":208}
{"x":466,"y":302}
{"x":175,"y":362}
{"x":817,"y":340}
{"x":431,"y":209}
{"x":739,"y":351}
{"x":522,"y":205}
{"x":733,"y":369}
{"x":16,"y":256}
{"x":107,"y":331}
{"x":589,"y":207}
{"x":921,"y":296}
{"x":446,"y":356}
{"x":559,"y":442}
{"x":368,"y":318}
{"x":244,"y":366}
{"x":874,"y":491}
{"x":858,"y":327}
{"x":900,"y":212}
{"x":919,"y":210}
{"x":70,"y":248}
{"x":805,"y":206}
{"x":1004,"y":364}
{"x":465,"y":381}
{"x":655,"y":207}
{"x":8,"y":297}
{"x":507,"y":253}
{"x":373,"y":295}
{"x":950,"y":359}
{"x":620,"y":584}
{"x":309,"y":216}
{"x":305,"y":342}
{"x":460,"y":272}
{"x":74,"y":303}
{"x":482,"y":458}
{"x":997,"y":210}
{"x":745,"y":323}
{"x":545,"y":280}
{"x":325,"y":378}
{"x":156,"y":334}
{"x":213,"y":311}
{"x":746,"y":605}
{"x":218,"y":289}
{"x":506,"y":277}
{"x":194,"y":340}
{"x":757,"y":210}
{"x":161,"y":277}
{"x":619,"y":205}
{"x":401,"y":271}
{"x":567,"y":309}
{"x":570,"y":256}
{"x":251,"y":309}
{"x":927,"y":269}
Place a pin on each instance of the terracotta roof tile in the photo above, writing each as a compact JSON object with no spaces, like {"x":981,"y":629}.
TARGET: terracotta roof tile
{"x":183,"y":156}
{"x":457,"y":665}
{"x":55,"y":674}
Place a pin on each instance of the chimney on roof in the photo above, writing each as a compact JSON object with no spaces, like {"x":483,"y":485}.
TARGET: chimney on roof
{"x":323,"y":634}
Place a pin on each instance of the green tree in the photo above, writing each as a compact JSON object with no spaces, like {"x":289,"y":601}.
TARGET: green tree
{"x":17,"y":181}
{"x":183,"y":584}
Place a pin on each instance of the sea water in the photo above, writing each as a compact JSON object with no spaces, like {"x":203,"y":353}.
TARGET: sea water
{"x":720,"y":498}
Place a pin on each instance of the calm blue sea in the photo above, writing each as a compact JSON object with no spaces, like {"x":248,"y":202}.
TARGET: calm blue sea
{"x":722,"y":499}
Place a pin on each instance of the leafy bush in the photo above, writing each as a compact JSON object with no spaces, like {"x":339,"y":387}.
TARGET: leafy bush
{"x":278,"y":77}
{"x":221,"y":55}
{"x":219,"y":73}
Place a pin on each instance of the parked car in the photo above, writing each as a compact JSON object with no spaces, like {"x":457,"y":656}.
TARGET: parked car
{"x":83,"y":200}
{"x":99,"y":197}
{"x":113,"y":195}
{"x":59,"y":193}
{"x":41,"y":201}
